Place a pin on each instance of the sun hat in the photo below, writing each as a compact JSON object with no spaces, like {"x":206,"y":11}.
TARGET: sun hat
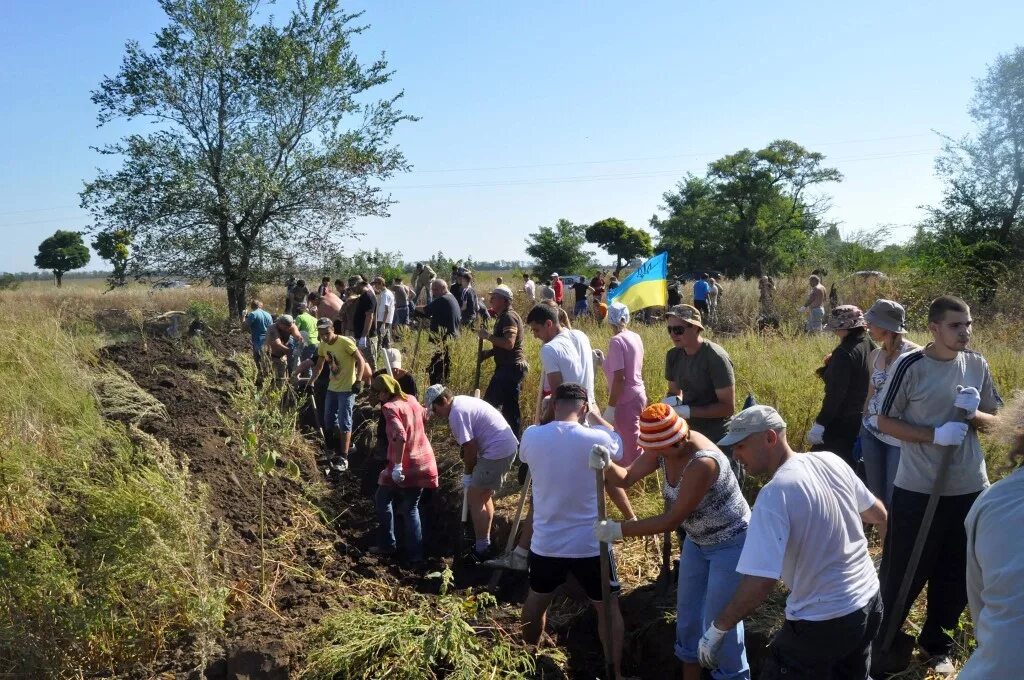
{"x":394,"y":357}
{"x":618,"y":314}
{"x":757,"y":418}
{"x":285,"y":319}
{"x":687,"y":313}
{"x":887,"y":314}
{"x":661,"y":428}
{"x":502,"y":291}
{"x":845,"y":317}
{"x":324,"y":322}
{"x":433,"y":392}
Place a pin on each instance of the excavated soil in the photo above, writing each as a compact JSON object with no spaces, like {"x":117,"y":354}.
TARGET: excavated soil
{"x":262,"y":641}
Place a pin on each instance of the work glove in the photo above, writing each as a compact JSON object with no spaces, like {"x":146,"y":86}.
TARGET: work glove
{"x":968,"y":399}
{"x":952,"y":433}
{"x":609,"y":414}
{"x":600,"y":457}
{"x":607,"y":531}
{"x":357,"y":387}
{"x":466,"y":481}
{"x":710,"y":643}
{"x":816,"y":435}
{"x":682,"y":409}
{"x":397,"y":476}
{"x":362,"y":343}
{"x":598,"y":358}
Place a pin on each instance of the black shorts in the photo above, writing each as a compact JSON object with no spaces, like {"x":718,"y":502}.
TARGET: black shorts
{"x":547,"y":573}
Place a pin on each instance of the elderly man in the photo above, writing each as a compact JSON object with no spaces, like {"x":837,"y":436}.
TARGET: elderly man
{"x":509,"y":361}
{"x":558,"y":287}
{"x":282,"y":337}
{"x":488,"y":449}
{"x":258,"y":321}
{"x":444,"y":314}
{"x":806,"y":529}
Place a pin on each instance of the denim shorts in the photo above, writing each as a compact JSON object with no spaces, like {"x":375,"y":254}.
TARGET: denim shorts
{"x":338,"y":410}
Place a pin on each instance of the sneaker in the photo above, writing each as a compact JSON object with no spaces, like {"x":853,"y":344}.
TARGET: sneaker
{"x":941,"y":665}
{"x":510,"y":560}
{"x":475,"y":558}
{"x":383,"y":552}
{"x":339,"y":464}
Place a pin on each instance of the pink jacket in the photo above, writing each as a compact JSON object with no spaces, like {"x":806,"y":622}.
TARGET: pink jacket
{"x":404,"y":423}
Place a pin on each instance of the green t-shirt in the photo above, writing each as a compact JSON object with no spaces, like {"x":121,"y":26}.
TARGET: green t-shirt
{"x":307,"y":326}
{"x":698,"y":376}
{"x":341,"y":360}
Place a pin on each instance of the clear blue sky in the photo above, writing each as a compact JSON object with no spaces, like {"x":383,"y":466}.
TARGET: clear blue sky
{"x":534,"y":111}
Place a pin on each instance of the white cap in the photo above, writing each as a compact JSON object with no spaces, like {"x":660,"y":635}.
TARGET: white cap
{"x":502,"y":290}
{"x":394,"y":357}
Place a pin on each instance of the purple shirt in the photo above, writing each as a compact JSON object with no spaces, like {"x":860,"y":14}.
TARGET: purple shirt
{"x":626,"y":352}
{"x":473,"y":418}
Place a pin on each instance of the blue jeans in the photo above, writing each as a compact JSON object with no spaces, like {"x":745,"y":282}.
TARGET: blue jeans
{"x":338,"y":411}
{"x":881,"y":461}
{"x":707,"y":581}
{"x":580,"y":308}
{"x":408,"y":501}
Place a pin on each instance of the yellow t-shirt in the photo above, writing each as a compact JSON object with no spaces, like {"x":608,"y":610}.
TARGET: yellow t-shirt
{"x":341,"y":360}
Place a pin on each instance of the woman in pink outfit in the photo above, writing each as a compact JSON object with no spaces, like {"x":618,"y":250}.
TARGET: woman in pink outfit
{"x":623,"y":367}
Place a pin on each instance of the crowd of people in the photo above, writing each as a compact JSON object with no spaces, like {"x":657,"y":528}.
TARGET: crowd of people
{"x":897,"y":428}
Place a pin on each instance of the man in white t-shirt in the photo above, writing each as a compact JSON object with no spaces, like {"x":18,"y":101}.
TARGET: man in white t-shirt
{"x":566,"y":355}
{"x":488,"y":449}
{"x":529,"y":288}
{"x":805,"y":529}
{"x":385,"y":312}
{"x":564,"y":512}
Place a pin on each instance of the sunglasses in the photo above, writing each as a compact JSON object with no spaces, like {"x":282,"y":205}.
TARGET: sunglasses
{"x":677,"y":330}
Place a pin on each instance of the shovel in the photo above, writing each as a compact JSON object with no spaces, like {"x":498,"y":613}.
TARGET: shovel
{"x":606,"y":586}
{"x":510,"y":545}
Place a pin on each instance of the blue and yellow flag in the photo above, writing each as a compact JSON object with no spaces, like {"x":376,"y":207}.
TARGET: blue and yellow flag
{"x":645,"y":287}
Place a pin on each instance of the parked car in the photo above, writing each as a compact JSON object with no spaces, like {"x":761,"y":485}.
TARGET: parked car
{"x":163,"y":285}
{"x":571,"y":279}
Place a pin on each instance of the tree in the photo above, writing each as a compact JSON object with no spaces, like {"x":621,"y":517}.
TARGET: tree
{"x":752,"y":213}
{"x":61,"y":253}
{"x":984,"y":195}
{"x":620,"y":240}
{"x":558,"y":249}
{"x":112,"y":245}
{"x":266,"y":142}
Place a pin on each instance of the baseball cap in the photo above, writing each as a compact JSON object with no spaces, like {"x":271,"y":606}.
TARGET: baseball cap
{"x":301,"y":307}
{"x":394,"y":356}
{"x":285,"y":318}
{"x":554,"y":275}
{"x":502,"y":290}
{"x":845,"y":317}
{"x":324,"y":322}
{"x":432,"y":393}
{"x":687,"y":313}
{"x":887,"y":314}
{"x":758,"y":418}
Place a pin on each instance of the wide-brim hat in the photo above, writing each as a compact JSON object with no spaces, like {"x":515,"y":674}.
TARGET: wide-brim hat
{"x":887,"y":314}
{"x":846,"y":317}
{"x":661,"y":428}
{"x":687,"y":313}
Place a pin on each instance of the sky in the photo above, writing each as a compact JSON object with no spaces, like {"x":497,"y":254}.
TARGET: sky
{"x":534,"y":111}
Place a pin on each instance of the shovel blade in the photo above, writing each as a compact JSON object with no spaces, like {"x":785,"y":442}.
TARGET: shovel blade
{"x":895,"y":659}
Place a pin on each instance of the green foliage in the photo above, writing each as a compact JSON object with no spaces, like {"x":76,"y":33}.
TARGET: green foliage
{"x":9,"y":281}
{"x":401,"y":634}
{"x":61,"y":253}
{"x":268,"y":141}
{"x":620,"y":240}
{"x":113,"y":245}
{"x":369,"y":263}
{"x":559,"y":249}
{"x":752,"y":213}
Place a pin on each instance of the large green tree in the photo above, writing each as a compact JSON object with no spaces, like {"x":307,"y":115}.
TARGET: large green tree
{"x":983,"y":200}
{"x":113,"y":246}
{"x":750,"y":214}
{"x":61,"y":253}
{"x":267,"y":141}
{"x":559,"y":249}
{"x":620,"y":240}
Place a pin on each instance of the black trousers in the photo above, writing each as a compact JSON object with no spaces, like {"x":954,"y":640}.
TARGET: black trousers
{"x":837,"y":649}
{"x":702,"y":305}
{"x":440,"y":366}
{"x":503,"y":394}
{"x":943,"y":564}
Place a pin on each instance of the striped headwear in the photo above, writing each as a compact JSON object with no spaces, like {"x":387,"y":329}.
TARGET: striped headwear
{"x":661,"y":428}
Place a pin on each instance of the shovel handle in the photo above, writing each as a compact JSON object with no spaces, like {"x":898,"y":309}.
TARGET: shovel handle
{"x":606,"y":577}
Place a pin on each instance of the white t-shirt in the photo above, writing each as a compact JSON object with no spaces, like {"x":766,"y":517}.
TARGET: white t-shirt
{"x":385,"y":306}
{"x":806,"y":529}
{"x":530,"y":290}
{"x":473,"y":418}
{"x":564,"y":486}
{"x":586,"y":352}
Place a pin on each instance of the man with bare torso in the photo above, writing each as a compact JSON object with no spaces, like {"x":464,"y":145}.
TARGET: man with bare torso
{"x":814,"y":305}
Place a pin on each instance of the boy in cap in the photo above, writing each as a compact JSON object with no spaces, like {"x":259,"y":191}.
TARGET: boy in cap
{"x":806,"y":529}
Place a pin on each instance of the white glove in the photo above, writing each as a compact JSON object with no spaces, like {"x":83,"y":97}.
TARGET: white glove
{"x":362,"y":343}
{"x":609,"y":414}
{"x":682,"y":409}
{"x":607,"y":531}
{"x":816,"y":435}
{"x":968,"y":399}
{"x":396,"y":474}
{"x":710,"y":643}
{"x":466,"y":481}
{"x":598,"y":358}
{"x":600,"y":457}
{"x":952,"y":433}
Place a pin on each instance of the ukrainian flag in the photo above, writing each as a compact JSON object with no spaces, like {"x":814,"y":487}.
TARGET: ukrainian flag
{"x":645,"y":287}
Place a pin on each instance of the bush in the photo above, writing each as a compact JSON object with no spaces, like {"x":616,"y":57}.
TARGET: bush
{"x":9,"y":282}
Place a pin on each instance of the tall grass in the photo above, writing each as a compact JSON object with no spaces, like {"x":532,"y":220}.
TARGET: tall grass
{"x":104,"y":538}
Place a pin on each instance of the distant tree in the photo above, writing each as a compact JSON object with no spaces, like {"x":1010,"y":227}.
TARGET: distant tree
{"x":9,"y":281}
{"x":61,"y":253}
{"x":559,"y":249}
{"x":620,"y":240}
{"x":984,"y":173}
{"x":752,"y":213}
{"x":267,"y":142}
{"x":113,"y":246}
